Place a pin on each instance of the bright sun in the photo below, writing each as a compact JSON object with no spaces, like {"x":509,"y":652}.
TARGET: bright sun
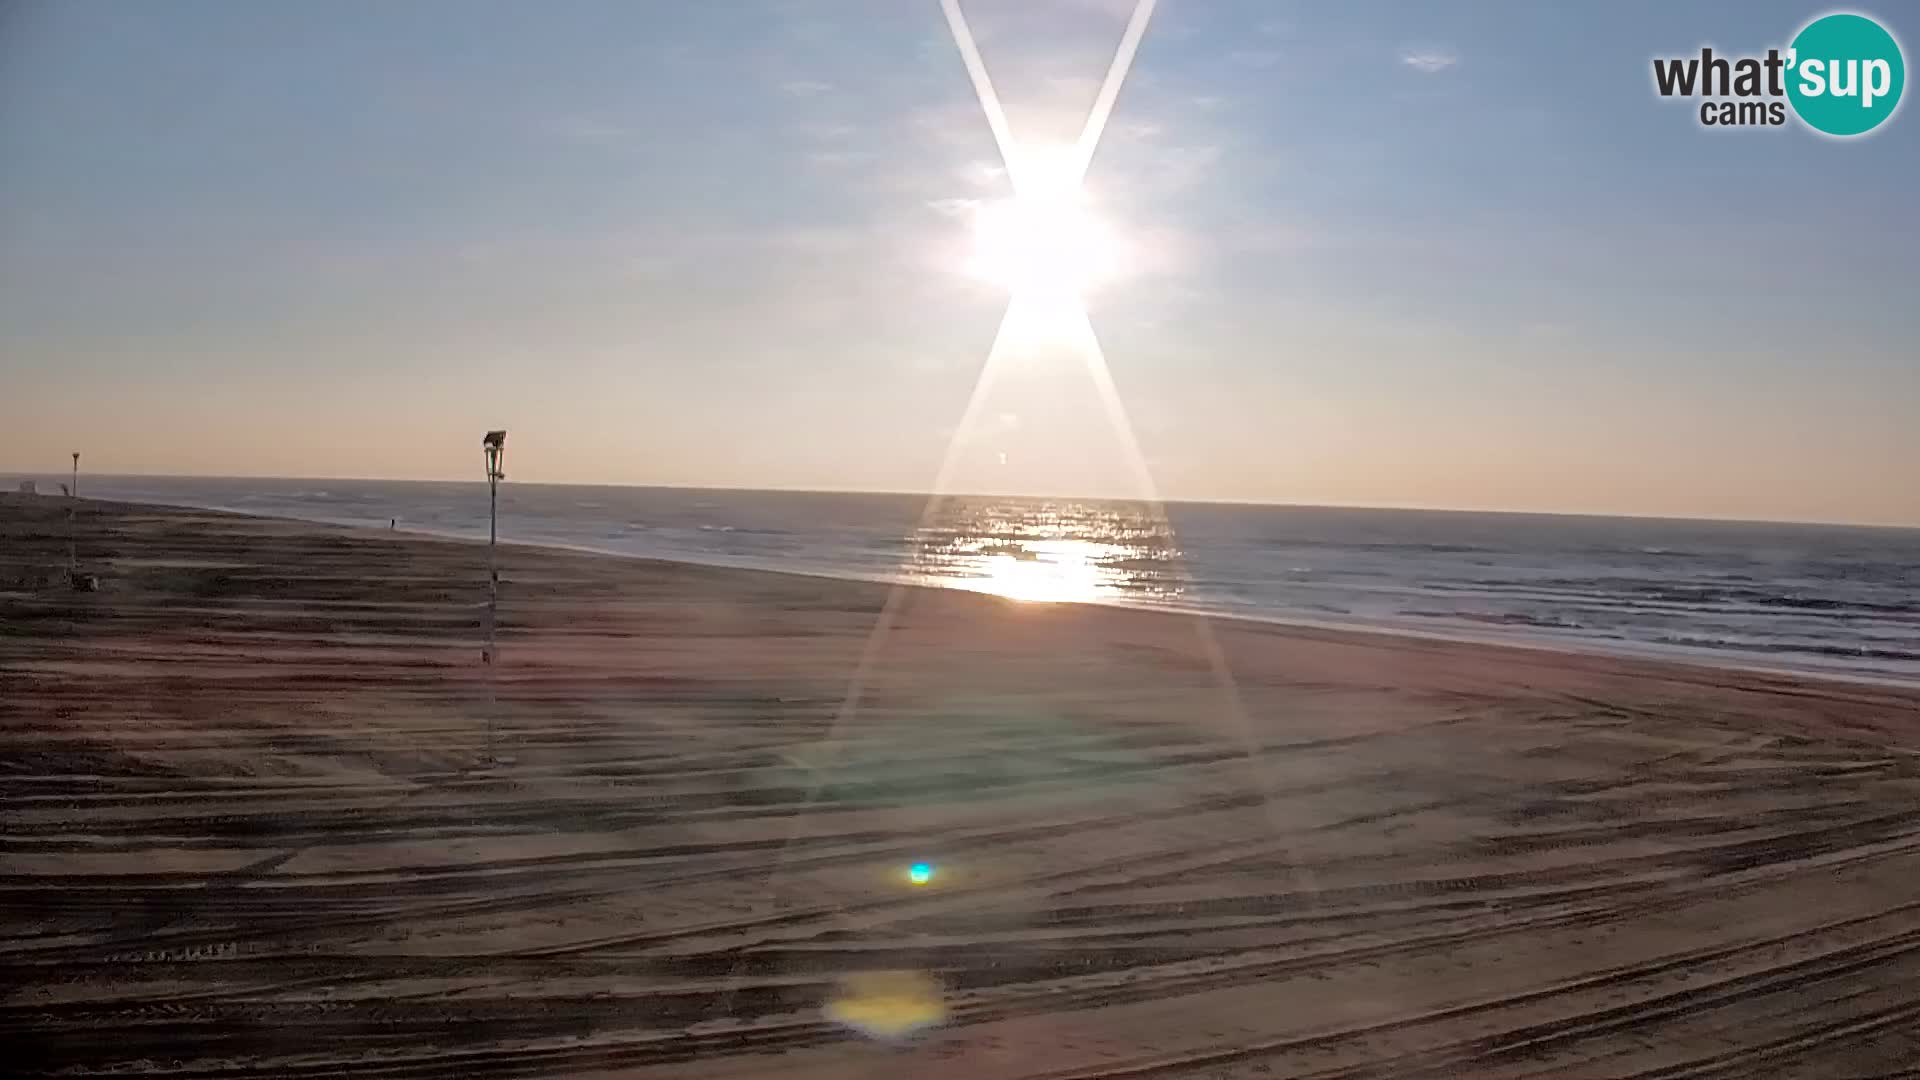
{"x":1043,"y":242}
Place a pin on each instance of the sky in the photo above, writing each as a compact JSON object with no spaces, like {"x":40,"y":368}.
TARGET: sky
{"x":1386,"y":254}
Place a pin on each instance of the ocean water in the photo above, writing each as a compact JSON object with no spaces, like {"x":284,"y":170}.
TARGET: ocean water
{"x":1812,"y":598}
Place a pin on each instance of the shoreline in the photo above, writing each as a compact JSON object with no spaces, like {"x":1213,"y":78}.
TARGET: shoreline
{"x":1911,"y":527}
{"x":1682,"y":655}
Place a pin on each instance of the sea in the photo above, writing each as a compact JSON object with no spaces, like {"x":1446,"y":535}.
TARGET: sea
{"x":1825,"y":599}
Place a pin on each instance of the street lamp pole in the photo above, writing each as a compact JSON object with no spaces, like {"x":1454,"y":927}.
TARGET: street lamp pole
{"x":73,"y":549}
{"x":494,"y":448}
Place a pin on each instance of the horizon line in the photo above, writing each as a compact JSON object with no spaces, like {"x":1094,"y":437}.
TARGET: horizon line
{"x":1912,"y":526}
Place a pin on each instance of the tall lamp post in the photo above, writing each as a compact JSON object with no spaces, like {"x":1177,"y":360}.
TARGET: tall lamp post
{"x":494,"y":447}
{"x":73,"y":549}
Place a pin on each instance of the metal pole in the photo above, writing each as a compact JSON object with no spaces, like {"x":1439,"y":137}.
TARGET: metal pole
{"x":73,"y":551}
{"x":493,"y":597}
{"x":494,"y":449}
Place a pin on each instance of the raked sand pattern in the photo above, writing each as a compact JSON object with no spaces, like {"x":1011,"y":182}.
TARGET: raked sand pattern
{"x":248,"y":833}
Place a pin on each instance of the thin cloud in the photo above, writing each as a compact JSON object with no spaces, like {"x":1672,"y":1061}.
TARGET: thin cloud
{"x":804,"y":87}
{"x":1118,"y":9}
{"x":1429,"y":61}
{"x":1256,"y":58}
{"x":838,"y":159}
{"x":588,"y":130}
{"x":1164,"y":169}
{"x":951,"y":124}
{"x":821,"y":239}
{"x":824,"y":132}
{"x":953,"y":207}
{"x":984,"y":174}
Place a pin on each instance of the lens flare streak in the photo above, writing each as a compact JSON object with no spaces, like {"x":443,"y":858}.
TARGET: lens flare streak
{"x":1046,"y":271}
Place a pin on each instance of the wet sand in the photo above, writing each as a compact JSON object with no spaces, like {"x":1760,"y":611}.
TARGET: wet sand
{"x":248,"y":831}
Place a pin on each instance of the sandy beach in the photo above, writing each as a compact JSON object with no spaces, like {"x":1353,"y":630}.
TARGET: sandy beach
{"x":249,"y":831}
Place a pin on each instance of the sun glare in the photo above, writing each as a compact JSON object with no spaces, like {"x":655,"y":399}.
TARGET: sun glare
{"x":1043,"y":242}
{"x":1044,"y":572}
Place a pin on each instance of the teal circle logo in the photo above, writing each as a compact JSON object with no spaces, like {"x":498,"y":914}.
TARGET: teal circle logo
{"x":1845,"y":74}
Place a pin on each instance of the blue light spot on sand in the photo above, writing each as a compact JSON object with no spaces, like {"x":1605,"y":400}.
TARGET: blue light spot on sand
{"x":920,"y":873}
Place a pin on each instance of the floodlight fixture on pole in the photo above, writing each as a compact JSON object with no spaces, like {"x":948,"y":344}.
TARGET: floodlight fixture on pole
{"x":493,"y":447}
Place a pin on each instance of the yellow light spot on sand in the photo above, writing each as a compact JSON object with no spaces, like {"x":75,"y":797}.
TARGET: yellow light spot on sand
{"x":887,"y":1004}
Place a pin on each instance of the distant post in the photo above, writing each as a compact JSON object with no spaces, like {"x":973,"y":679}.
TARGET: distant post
{"x":73,"y":549}
{"x":494,"y":447}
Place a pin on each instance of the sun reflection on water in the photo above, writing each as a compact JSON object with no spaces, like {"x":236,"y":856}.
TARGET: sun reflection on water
{"x":1066,"y":551}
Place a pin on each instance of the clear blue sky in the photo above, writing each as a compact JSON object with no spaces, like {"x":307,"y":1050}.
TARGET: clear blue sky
{"x":1406,"y":254}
